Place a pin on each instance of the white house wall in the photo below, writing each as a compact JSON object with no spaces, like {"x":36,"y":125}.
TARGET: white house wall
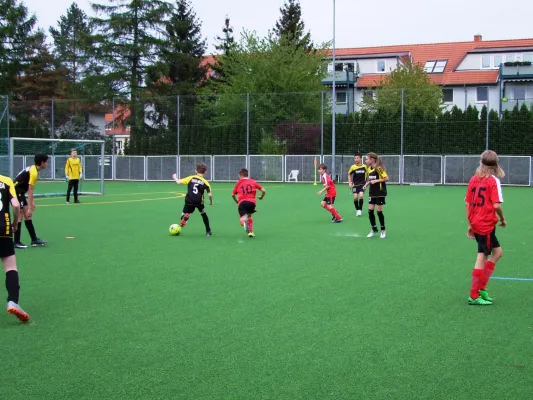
{"x":473,"y":61}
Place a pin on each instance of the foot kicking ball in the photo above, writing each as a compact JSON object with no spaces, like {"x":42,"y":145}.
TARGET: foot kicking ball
{"x":174,"y":229}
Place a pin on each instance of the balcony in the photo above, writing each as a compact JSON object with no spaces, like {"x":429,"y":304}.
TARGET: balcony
{"x":509,"y":105}
{"x":342,"y":79}
{"x":516,"y":72}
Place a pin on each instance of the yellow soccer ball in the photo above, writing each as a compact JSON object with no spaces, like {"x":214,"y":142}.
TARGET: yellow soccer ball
{"x":174,"y":229}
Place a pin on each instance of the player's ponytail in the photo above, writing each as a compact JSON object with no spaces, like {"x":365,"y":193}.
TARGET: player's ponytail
{"x":378,"y":162}
{"x":489,"y":165}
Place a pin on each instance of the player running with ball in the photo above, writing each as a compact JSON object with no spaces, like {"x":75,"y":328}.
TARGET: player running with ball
{"x":244,"y":194}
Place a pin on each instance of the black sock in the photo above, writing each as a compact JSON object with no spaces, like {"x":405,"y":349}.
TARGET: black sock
{"x":31,"y":229}
{"x":17,"y":233}
{"x":206,"y":222}
{"x":372,"y":218}
{"x":12,"y":286}
{"x":356,"y":204}
{"x":361,"y":202}
{"x":381,"y":220}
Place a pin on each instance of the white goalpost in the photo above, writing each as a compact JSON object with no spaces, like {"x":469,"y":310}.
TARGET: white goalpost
{"x":52,"y":180}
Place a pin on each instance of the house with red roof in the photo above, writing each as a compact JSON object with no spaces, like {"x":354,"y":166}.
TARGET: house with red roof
{"x":496,"y":73}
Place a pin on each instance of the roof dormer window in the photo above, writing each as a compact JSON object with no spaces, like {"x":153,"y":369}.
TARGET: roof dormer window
{"x":435,"y":66}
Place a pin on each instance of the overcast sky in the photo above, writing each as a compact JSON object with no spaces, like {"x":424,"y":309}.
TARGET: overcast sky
{"x":358,"y":23}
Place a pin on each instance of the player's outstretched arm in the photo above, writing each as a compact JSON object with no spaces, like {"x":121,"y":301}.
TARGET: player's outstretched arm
{"x":263,"y":192}
{"x":210,"y":198}
{"x":234,"y":196}
{"x":175,"y":177}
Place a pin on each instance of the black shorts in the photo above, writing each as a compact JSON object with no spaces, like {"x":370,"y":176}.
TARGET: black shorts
{"x":189,"y":208}
{"x":485,"y":243}
{"x":358,"y":189}
{"x":21,"y":197}
{"x":7,"y":247}
{"x":246,"y":207}
{"x":329,"y":200}
{"x":378,"y":201}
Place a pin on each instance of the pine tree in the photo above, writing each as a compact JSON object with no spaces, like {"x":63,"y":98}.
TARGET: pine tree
{"x":290,"y":27}
{"x":180,"y":69}
{"x":127,"y":41}
{"x":225,"y":46}
{"x":72,"y":48}
{"x":16,"y":36}
{"x":43,"y":78}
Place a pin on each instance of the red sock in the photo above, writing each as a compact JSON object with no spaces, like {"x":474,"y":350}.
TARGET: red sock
{"x":476,"y":280}
{"x":335,"y":213}
{"x":332,"y":211}
{"x":487,"y":272}
{"x":250,"y":225}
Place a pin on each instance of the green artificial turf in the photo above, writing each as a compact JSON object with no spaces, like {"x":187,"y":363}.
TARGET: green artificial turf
{"x":306,"y":310}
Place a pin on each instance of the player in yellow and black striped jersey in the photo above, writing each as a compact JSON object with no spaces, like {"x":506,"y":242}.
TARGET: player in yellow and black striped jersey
{"x":376,"y":179}
{"x":356,"y":179}
{"x":73,"y":174}
{"x":25,"y":183}
{"x":8,"y":197}
{"x":197,"y":185}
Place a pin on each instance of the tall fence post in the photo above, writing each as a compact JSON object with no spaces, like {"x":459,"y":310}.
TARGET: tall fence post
{"x":322,"y":129}
{"x":248,"y":130}
{"x":487,"y":134}
{"x":113,"y":141}
{"x":52,"y":134}
{"x":402,"y":120}
{"x":178,"y":128}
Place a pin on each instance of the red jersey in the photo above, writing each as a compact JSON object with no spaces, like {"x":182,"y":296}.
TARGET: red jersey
{"x":481,"y":196}
{"x":246,"y":188}
{"x":326,"y":180}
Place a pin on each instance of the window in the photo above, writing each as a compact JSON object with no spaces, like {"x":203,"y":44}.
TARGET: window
{"x":485,"y":62}
{"x":429,"y":66}
{"x":339,"y":67}
{"x":519,"y":92}
{"x":528,"y":57}
{"x":341,"y":97}
{"x":482,"y":94}
{"x":497,"y":61}
{"x":509,"y":58}
{"x":439,"y":66}
{"x":435,"y":66}
{"x":368,"y":94}
{"x":349,"y":67}
{"x":447,"y":95}
{"x":381,"y":66}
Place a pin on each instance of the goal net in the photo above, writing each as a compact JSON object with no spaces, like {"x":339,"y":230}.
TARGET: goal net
{"x":52,"y":181}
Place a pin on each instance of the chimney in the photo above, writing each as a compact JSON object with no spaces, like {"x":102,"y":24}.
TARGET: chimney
{"x":478,"y":38}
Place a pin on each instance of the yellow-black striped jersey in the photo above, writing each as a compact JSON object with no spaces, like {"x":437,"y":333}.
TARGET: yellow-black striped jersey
{"x":377,"y":189}
{"x":28,"y":176}
{"x":7,"y":192}
{"x":196,"y":186}
{"x":73,"y":168}
{"x":359,"y":174}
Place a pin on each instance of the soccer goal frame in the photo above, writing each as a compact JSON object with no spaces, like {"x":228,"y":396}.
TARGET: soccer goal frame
{"x":76,"y":144}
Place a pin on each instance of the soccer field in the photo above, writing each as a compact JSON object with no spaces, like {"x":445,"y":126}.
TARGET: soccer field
{"x":306,"y":310}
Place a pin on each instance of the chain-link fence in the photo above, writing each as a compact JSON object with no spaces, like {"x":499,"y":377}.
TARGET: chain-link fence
{"x":284,"y":134}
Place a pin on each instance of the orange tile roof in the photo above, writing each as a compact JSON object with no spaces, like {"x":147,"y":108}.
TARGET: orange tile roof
{"x":454,"y":52}
{"x":447,"y":78}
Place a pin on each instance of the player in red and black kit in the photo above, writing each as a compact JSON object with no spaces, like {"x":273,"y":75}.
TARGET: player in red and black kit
{"x":331,"y":193}
{"x":483,"y":208}
{"x":244,"y":194}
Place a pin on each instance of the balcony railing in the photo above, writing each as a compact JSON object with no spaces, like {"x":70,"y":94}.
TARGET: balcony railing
{"x":341,"y":78}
